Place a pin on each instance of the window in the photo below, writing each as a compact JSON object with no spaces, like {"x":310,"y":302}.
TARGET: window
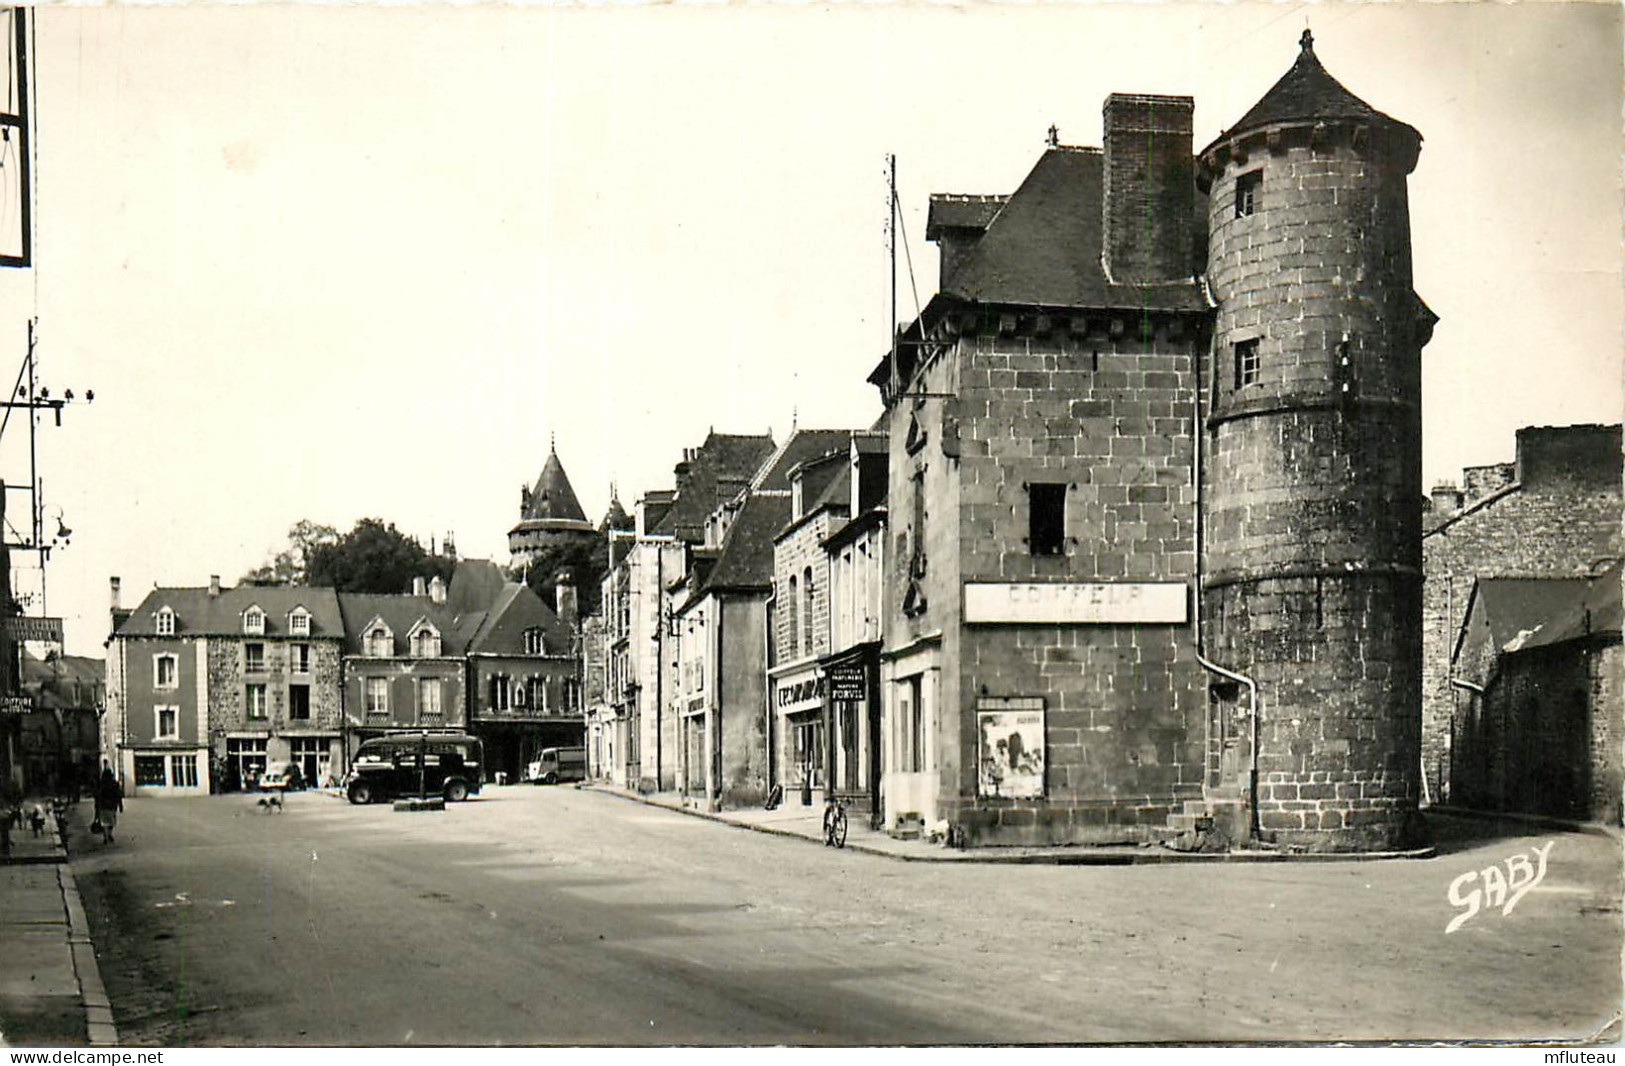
{"x":426,"y":643}
{"x":149,"y":770}
{"x":299,"y":658}
{"x":254,"y":697}
{"x":299,"y":703}
{"x":254,"y":621}
{"x":429,"y":691}
{"x":165,"y":671}
{"x":572,"y":694}
{"x":379,"y":641}
{"x":299,"y":622}
{"x":1246,"y":363}
{"x":913,"y":721}
{"x":183,"y":771}
{"x":1046,"y":518}
{"x":247,"y":756}
{"x":536,"y":694}
{"x":169,"y":723}
{"x":254,"y":658}
{"x":807,"y":611}
{"x":533,"y":641}
{"x":500,"y":692}
{"x":377,"y":690}
{"x":166,"y":622}
{"x":1248,"y":186}
{"x":792,"y":618}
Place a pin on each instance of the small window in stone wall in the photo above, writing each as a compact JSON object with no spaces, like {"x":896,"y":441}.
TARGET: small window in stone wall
{"x":149,"y":770}
{"x":1248,"y":186}
{"x":1046,"y":518}
{"x":1246,"y":363}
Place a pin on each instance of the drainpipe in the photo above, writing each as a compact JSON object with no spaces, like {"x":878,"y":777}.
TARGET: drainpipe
{"x":660,"y":648}
{"x":767,"y":681}
{"x":1196,"y":627}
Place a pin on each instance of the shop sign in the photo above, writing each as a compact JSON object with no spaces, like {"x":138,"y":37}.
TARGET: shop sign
{"x":16,"y":704}
{"x":849,"y":683}
{"x":1077,"y":602}
{"x":799,"y":695}
{"x":27,"y":627}
{"x":1010,"y":747}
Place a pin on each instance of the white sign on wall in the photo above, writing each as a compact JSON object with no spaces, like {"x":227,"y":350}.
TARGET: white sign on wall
{"x":1078,"y":602}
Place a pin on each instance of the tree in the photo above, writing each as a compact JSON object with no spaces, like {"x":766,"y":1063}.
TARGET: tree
{"x":374,"y":557}
{"x":290,"y":566}
{"x":584,"y":560}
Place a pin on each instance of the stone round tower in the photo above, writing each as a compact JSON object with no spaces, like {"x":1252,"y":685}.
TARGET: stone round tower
{"x":1311,"y":477}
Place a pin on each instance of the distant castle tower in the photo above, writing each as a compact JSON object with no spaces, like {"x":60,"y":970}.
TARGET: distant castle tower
{"x":549,"y":514}
{"x":1312,"y":481}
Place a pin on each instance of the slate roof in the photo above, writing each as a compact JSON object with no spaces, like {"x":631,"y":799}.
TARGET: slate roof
{"x":197,"y":613}
{"x":1595,"y":608}
{"x":746,"y":559}
{"x":804,"y":444}
{"x":960,"y":211}
{"x":400,"y":613}
{"x":1516,"y":608}
{"x":475,"y":585}
{"x":721,"y":466}
{"x":1044,"y":246}
{"x":552,"y":498}
{"x":1307,"y":93}
{"x":555,"y":634}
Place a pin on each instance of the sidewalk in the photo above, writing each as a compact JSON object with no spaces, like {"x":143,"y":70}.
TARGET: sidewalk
{"x":50,"y":987}
{"x":791,"y":819}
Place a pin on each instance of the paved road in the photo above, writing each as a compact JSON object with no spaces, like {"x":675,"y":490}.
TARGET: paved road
{"x":547,"y":915}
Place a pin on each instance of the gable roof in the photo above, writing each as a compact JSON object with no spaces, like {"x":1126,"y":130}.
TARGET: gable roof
{"x":745,"y":562}
{"x":1514,"y":609}
{"x":198,"y":613}
{"x":1594,"y":609}
{"x":475,"y":585}
{"x":717,"y":471}
{"x":803,"y":445}
{"x":1044,"y":246}
{"x":517,"y":602}
{"x":400,"y":613}
{"x":952,"y":211}
{"x":1307,"y":93}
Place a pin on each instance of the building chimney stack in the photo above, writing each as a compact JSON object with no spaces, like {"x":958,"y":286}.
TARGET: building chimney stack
{"x":113,"y":590}
{"x":1446,"y":499}
{"x":420,"y":586}
{"x":437,"y":589}
{"x":214,"y":585}
{"x":1150,"y":188}
{"x":564,"y":599}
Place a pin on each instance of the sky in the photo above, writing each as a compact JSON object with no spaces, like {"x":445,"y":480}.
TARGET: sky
{"x":348,"y":261}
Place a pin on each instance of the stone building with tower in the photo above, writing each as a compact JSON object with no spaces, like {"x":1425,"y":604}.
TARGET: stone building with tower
{"x":550,"y":517}
{"x":1144,"y":571}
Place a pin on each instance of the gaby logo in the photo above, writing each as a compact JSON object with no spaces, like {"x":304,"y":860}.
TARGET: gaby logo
{"x":1499,"y":890}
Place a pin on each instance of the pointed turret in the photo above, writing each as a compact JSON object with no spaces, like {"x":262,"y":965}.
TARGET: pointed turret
{"x":548,"y":513}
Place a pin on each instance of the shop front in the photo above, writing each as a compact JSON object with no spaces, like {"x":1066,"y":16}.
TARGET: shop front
{"x":852,"y":725}
{"x":799,"y":713}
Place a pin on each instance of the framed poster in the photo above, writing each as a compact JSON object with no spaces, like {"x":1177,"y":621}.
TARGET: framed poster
{"x":1010,"y":748}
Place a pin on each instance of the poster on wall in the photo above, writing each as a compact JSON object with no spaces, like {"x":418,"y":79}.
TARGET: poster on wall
{"x":1010,"y":748}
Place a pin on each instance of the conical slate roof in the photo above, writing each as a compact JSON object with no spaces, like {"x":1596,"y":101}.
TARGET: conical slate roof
{"x":616,"y":517}
{"x":553,"y":498}
{"x":1308,"y":93}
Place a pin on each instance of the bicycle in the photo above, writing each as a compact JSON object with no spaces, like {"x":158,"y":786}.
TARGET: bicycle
{"x":834,"y":823}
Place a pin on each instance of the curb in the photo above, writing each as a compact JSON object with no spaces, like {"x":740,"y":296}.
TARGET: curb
{"x":1062,"y":856}
{"x":92,"y":994}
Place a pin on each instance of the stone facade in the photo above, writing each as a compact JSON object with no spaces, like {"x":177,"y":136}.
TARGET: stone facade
{"x":1555,"y":512}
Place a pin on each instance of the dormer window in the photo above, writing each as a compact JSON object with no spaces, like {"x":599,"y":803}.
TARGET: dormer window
{"x":299,"y":622}
{"x":380,"y":641}
{"x":425,"y":642}
{"x":166,"y":622}
{"x":254,"y":621}
{"x":533,"y":641}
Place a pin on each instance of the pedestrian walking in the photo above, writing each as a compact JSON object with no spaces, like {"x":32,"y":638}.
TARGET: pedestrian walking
{"x":109,"y":802}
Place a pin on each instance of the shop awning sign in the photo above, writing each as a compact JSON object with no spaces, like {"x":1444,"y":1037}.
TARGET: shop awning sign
{"x":16,"y":704}
{"x":849,"y":683}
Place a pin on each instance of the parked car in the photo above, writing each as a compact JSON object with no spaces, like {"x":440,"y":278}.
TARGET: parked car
{"x":387,"y":767}
{"x":558,"y":764}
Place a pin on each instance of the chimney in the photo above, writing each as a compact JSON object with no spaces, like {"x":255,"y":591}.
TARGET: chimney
{"x":448,"y":547}
{"x":1150,"y":188}
{"x":1446,"y":499}
{"x":113,"y":589}
{"x":420,"y":586}
{"x":437,"y":589}
{"x":564,"y":599}
{"x":214,"y":585}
